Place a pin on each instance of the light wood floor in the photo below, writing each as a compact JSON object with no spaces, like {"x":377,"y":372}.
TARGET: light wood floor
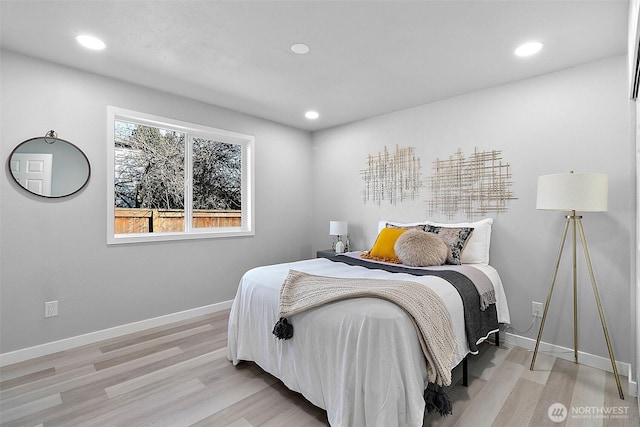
{"x":178,"y":375}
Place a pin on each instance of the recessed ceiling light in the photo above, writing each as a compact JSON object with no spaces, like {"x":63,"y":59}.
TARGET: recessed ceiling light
{"x":311,"y":115}
{"x":90,"y":42}
{"x":300,"y":48}
{"x":528,"y":49}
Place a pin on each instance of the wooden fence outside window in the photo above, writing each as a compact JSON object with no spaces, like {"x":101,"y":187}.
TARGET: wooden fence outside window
{"x":133,"y":221}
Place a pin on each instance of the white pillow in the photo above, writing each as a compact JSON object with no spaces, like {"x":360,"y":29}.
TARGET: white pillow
{"x":476,"y":250}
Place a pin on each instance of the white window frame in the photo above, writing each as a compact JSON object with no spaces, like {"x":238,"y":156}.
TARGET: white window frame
{"x":192,"y":130}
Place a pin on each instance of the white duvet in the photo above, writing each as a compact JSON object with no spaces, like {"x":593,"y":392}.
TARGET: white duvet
{"x":359,"y":359}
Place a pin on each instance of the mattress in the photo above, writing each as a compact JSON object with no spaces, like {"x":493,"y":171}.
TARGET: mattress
{"x":359,"y":359}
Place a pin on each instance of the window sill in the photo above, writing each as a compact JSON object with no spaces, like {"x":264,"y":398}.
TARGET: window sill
{"x":164,"y":237}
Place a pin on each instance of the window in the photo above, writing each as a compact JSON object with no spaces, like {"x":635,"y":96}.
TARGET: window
{"x":171,"y":180}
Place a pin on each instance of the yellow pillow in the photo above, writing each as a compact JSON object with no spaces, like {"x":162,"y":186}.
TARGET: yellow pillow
{"x":382,"y":249}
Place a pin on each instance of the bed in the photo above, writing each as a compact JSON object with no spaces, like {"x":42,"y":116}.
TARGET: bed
{"x":359,"y":359}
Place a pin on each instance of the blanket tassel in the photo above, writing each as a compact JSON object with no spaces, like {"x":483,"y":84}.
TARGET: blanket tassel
{"x":283,"y":329}
{"x":437,"y":400}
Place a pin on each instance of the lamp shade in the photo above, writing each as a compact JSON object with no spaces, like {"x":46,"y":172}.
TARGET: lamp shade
{"x":586,"y":192}
{"x":338,"y":228}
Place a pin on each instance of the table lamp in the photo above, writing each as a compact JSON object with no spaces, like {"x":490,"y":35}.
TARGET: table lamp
{"x":339,"y":229}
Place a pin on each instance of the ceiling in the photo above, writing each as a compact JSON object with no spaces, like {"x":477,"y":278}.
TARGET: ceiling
{"x":367,"y":57}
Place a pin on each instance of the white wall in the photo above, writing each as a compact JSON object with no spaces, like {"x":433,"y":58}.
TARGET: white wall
{"x":56,"y":249}
{"x":634,"y":17}
{"x":577,"y":119}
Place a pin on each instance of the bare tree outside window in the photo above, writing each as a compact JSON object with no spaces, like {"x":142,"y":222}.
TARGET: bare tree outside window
{"x":149,"y":167}
{"x":217,"y":178}
{"x":217,"y":183}
{"x":149,"y":180}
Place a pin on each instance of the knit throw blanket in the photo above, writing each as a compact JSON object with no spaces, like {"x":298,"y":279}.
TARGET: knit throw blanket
{"x":302,"y":291}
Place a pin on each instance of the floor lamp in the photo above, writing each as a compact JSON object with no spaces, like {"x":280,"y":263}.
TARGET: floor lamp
{"x":586,"y":192}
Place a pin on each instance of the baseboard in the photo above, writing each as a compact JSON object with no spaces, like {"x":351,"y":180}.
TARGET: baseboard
{"x":117,"y":331}
{"x":587,"y":359}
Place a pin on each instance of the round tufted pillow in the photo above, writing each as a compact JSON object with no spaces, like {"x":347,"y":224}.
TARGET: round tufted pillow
{"x":418,"y":248}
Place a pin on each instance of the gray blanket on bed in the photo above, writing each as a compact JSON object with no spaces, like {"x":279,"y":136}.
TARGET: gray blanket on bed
{"x":478,"y":323}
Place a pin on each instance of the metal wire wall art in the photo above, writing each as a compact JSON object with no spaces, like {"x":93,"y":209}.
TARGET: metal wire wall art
{"x":392,"y":176}
{"x":475,"y":186}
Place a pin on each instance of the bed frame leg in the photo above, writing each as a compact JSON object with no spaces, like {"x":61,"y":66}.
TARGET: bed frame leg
{"x":465,"y":367}
{"x":465,"y":373}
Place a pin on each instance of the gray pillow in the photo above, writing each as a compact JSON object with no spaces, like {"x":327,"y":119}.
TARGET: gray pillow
{"x":417,"y":248}
{"x":455,"y":238}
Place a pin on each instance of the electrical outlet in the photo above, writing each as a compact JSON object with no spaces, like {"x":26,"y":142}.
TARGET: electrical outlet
{"x":50,"y":308}
{"x":537,"y":308}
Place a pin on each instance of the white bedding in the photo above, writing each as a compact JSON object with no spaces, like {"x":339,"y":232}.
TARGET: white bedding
{"x":359,"y":359}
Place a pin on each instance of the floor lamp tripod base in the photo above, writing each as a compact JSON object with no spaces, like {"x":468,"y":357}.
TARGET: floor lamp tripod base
{"x":576,"y":221}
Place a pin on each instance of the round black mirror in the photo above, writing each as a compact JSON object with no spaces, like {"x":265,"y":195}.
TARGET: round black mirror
{"x":49,"y":166}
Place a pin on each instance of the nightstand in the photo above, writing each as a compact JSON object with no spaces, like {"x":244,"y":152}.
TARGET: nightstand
{"x":326,"y":253}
